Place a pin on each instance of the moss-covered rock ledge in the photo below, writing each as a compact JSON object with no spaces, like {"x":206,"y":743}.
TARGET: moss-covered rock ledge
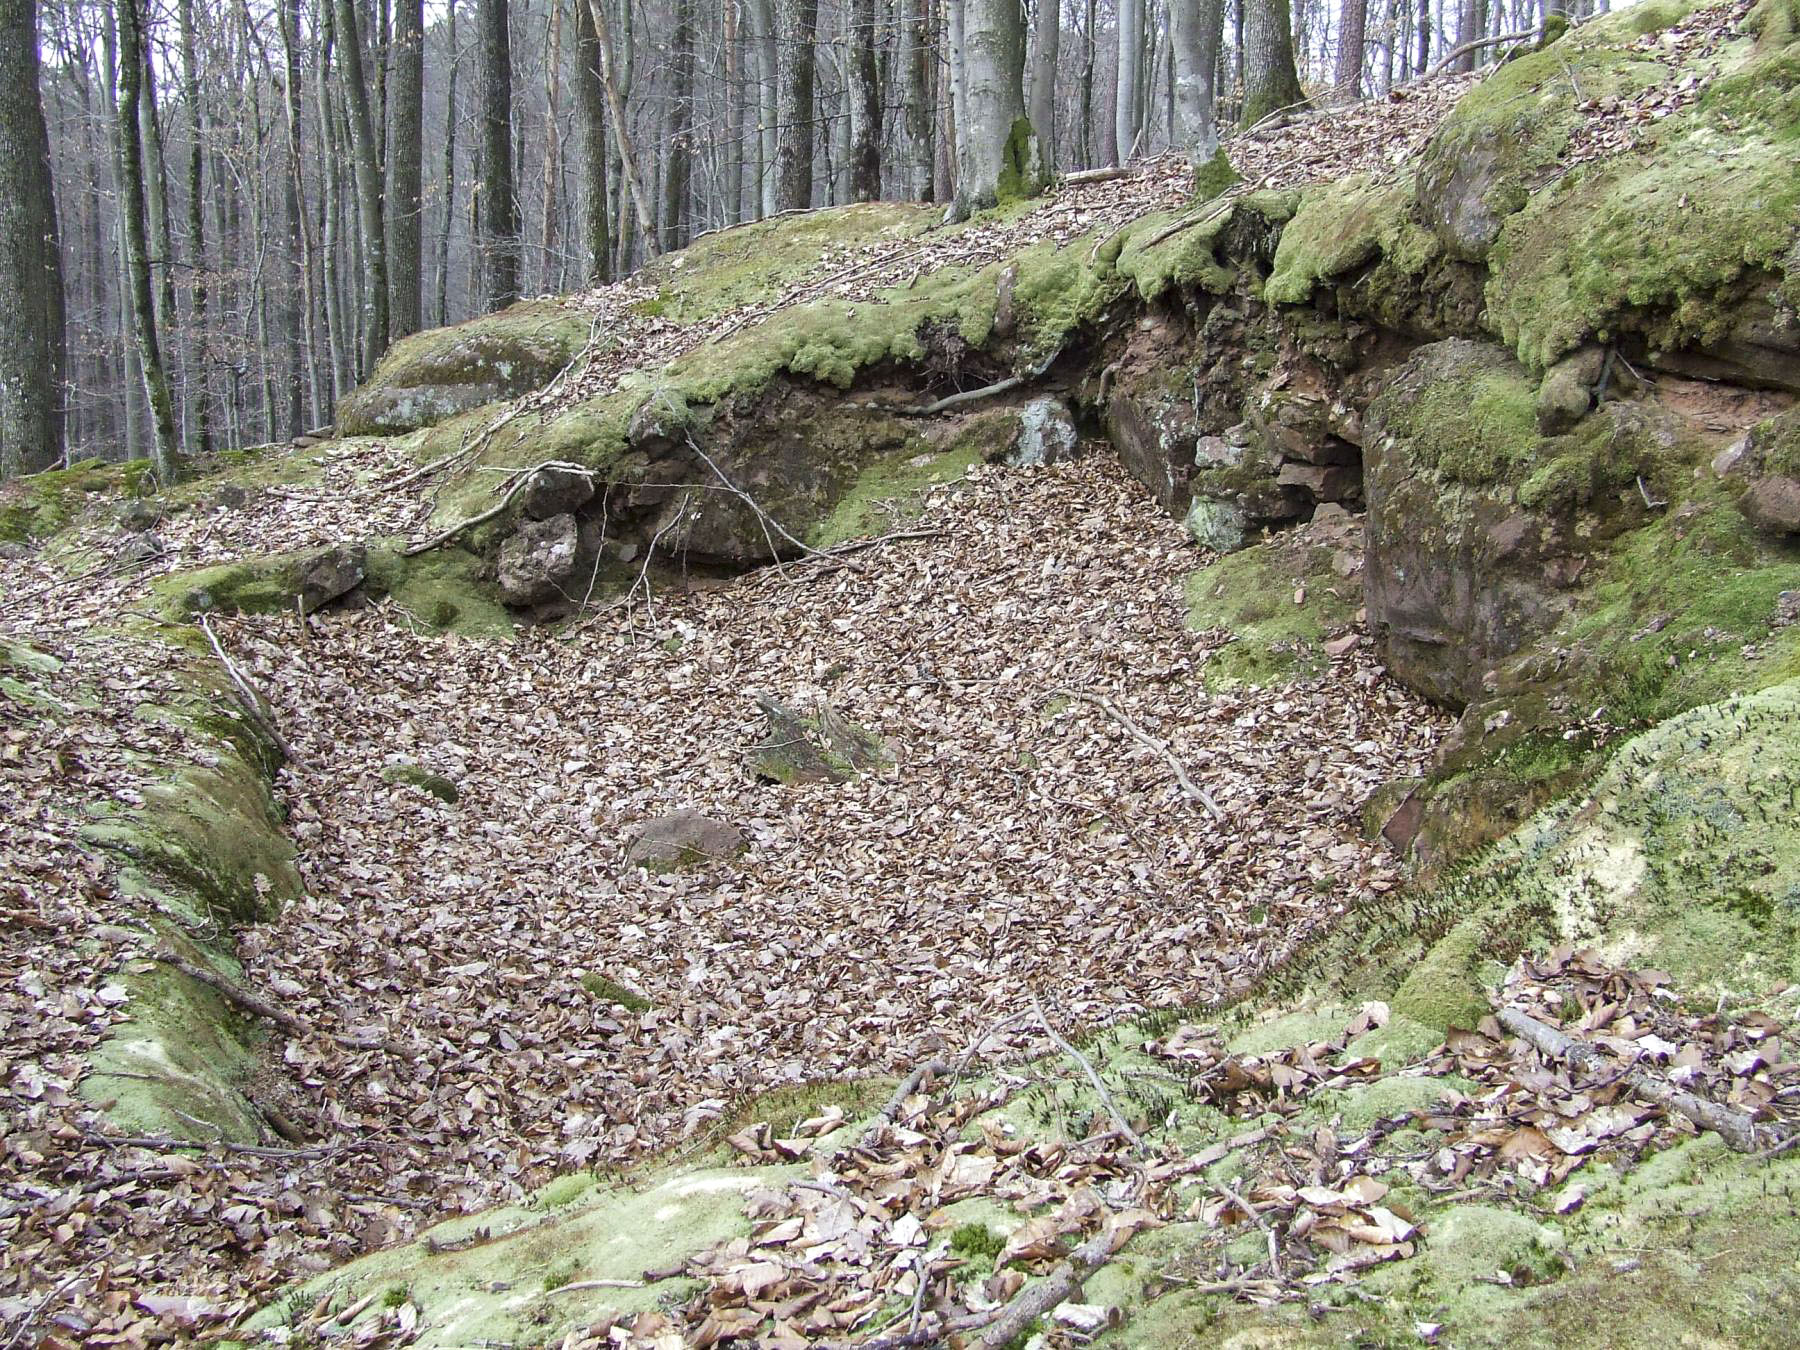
{"x":197,"y":851}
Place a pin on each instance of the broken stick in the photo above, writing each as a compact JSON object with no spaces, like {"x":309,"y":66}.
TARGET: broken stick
{"x":1735,"y":1127}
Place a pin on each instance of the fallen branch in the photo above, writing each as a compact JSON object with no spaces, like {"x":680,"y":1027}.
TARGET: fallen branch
{"x":163,"y":1144}
{"x":1047,"y":1294}
{"x":248,"y":696}
{"x":1262,"y":1223}
{"x":993,"y":390}
{"x":1457,"y":53}
{"x":908,"y":1086}
{"x":1112,"y":1107}
{"x":516,"y":485}
{"x":579,"y":1285}
{"x":1189,"y":789}
{"x":1081,"y":176}
{"x":1735,"y":1127}
{"x":232,"y":993}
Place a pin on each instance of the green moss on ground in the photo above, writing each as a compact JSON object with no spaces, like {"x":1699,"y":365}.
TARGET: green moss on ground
{"x":755,"y":262}
{"x":611,"y":991}
{"x":38,"y":505}
{"x":1251,"y":594}
{"x":264,"y":585}
{"x":891,"y":491}
{"x":416,"y":775}
{"x":446,"y":589}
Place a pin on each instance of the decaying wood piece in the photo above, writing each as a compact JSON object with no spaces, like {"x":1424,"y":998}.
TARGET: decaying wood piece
{"x":1040,"y":1298}
{"x":1735,"y":1127}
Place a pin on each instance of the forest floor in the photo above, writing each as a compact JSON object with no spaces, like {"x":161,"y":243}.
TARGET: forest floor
{"x":495,"y":944}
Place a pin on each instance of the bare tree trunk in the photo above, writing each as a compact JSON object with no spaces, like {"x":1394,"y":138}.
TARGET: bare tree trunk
{"x":794,"y":143}
{"x":1346,"y":85}
{"x":337,"y":339}
{"x":998,"y":152}
{"x":621,"y":130}
{"x":547,"y":278}
{"x":499,"y":238}
{"x":1088,"y":49}
{"x":678,"y":159}
{"x":1270,"y":80}
{"x":768,"y":118}
{"x":1471,"y":26}
{"x":197,"y":383}
{"x":865,"y":106}
{"x":166,"y":454}
{"x":597,"y":243}
{"x":1125,"y":100}
{"x":1197,"y":28}
{"x":1046,"y":51}
{"x":406,"y":171}
{"x":443,"y":241}
{"x":732,"y":188}
{"x":32,"y":350}
{"x":366,"y":164}
{"x":916,"y":59}
{"x":1423,"y":35}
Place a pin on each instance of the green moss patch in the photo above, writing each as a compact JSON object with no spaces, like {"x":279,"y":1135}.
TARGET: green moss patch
{"x":446,"y":589}
{"x":40,"y":504}
{"x":1661,"y":244}
{"x":892,"y":490}
{"x":1253,"y":595}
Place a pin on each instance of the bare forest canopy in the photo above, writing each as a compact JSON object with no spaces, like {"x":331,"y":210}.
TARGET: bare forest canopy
{"x":228,"y":212}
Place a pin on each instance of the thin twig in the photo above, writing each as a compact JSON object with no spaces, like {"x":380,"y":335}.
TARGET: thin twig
{"x":1188,"y":787}
{"x":1112,"y":1107}
{"x":232,"y":993}
{"x":1457,"y":53}
{"x":249,"y":697}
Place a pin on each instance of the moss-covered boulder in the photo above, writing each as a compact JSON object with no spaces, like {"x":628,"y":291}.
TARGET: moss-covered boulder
{"x":1481,"y":528}
{"x":270,"y":585}
{"x":435,"y":375}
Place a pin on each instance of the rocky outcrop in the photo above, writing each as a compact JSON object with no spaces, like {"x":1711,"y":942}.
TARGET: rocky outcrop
{"x":539,"y":559}
{"x":432,"y":376}
{"x":1481,"y":528}
{"x":1765,"y":464}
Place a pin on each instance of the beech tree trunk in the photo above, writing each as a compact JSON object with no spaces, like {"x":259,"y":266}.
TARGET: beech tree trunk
{"x":165,"y":453}
{"x":1270,"y":81}
{"x":591,"y":98}
{"x":499,"y":206}
{"x":366,"y":163}
{"x":794,"y":145}
{"x":1346,"y":84}
{"x":733,"y":186}
{"x":865,"y":105}
{"x":918,"y":54}
{"x":1197,"y":28}
{"x":998,"y":154}
{"x":1126,"y":98}
{"x":678,"y":149}
{"x":32,"y":342}
{"x":768,"y":115}
{"x":1046,"y":51}
{"x":406,"y":169}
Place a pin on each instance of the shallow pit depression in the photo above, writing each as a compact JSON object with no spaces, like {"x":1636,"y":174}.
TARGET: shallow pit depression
{"x":1022,"y":842}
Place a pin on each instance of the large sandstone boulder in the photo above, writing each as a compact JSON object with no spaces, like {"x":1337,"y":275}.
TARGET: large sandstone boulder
{"x":432,"y":376}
